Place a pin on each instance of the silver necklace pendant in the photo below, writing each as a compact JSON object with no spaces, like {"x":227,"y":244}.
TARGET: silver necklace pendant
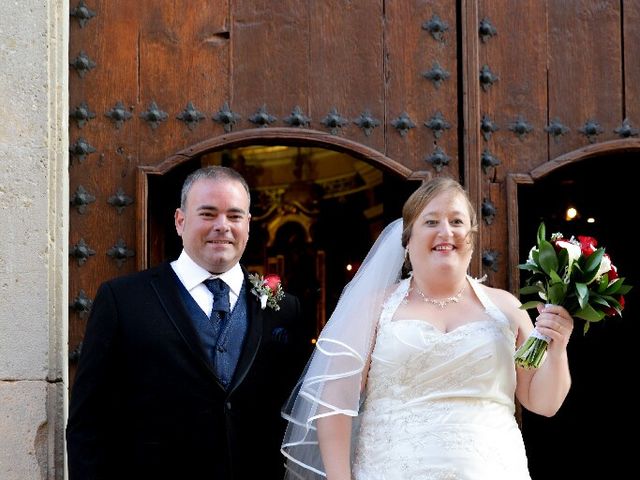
{"x":438,"y":302}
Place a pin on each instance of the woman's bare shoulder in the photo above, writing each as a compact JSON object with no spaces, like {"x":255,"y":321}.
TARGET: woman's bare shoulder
{"x":503,"y":299}
{"x":508,"y":303}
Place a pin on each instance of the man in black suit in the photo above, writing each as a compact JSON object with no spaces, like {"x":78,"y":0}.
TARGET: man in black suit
{"x":182,"y":376}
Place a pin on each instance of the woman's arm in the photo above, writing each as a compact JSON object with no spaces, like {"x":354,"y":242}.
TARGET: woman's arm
{"x":544,"y":389}
{"x":334,"y":436}
{"x":334,"y":431}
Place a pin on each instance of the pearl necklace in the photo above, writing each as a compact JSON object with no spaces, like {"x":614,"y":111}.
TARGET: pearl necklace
{"x":440,"y":303}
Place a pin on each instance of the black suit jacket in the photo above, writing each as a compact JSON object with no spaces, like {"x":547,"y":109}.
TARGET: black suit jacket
{"x":146,"y":404}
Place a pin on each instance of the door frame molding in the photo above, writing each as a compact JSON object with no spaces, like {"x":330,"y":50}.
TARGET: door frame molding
{"x":613,"y":147}
{"x":258,"y":136}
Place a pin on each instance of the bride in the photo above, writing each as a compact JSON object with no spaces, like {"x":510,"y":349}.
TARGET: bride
{"x":413,"y":376}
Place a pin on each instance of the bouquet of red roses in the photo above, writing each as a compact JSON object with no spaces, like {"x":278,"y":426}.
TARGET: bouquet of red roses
{"x":575,"y":274}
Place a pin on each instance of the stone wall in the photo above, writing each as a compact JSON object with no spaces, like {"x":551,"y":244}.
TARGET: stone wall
{"x":34,"y":204}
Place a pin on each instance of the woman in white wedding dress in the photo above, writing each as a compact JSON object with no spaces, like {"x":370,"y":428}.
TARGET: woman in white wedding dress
{"x":414,"y":378}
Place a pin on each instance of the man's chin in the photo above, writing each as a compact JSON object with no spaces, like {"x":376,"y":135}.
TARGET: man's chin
{"x":220,"y":264}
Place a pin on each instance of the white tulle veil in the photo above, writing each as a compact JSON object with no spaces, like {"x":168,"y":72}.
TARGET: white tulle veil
{"x":331,"y":383}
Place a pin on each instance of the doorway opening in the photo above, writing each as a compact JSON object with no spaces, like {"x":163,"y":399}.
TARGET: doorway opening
{"x":584,"y":434}
{"x":315,"y":214}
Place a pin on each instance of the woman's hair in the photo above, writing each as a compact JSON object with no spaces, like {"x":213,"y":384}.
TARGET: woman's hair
{"x":425,"y":193}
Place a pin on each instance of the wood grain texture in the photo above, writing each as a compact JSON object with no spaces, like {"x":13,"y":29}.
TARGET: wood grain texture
{"x":631,"y":38}
{"x":612,"y":147}
{"x":471,"y":139}
{"x":585,"y":69}
{"x":513,"y":180}
{"x":269,"y":58}
{"x":517,"y":56}
{"x":411,"y":50}
{"x":183,"y":57}
{"x":346,"y":65}
{"x":144,"y":51}
{"x":110,"y":40}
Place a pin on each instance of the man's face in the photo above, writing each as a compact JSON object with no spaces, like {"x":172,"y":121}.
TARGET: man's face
{"x":214,"y":225}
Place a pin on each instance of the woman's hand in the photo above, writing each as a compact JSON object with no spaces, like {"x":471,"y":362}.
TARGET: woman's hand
{"x":555,"y":322}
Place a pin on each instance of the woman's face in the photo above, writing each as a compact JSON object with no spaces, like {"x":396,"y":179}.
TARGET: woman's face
{"x":440,"y":240}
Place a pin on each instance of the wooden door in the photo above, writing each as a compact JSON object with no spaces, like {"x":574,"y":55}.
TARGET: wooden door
{"x":154,"y":86}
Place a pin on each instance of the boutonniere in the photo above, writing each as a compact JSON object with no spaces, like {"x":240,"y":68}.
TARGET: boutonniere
{"x":268,"y":289}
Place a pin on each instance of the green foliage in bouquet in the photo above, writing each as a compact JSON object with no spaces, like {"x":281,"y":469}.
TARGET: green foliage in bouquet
{"x":572,"y":273}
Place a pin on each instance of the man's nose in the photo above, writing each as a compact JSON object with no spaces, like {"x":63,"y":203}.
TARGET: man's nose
{"x":221,"y":223}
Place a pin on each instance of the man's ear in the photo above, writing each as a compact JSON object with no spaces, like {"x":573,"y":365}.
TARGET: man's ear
{"x":178,"y":218}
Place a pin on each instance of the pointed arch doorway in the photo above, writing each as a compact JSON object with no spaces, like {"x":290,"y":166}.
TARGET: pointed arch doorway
{"x":318,"y":203}
{"x":583,"y":439}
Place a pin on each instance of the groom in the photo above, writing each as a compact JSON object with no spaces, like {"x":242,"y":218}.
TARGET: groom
{"x":183,"y":371}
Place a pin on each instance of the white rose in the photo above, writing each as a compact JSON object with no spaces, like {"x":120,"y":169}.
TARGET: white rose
{"x":605,"y":266}
{"x":572,"y":249}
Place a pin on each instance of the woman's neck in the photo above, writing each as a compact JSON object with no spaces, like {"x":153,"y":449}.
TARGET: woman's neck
{"x":440,"y":286}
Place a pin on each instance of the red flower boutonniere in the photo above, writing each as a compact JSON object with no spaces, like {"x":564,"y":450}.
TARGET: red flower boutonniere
{"x":268,"y":289}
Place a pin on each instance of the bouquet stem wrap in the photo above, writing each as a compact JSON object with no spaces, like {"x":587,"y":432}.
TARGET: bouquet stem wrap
{"x":531,"y":352}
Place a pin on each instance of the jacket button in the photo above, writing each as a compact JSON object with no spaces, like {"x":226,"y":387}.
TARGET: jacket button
{"x":228,"y":405}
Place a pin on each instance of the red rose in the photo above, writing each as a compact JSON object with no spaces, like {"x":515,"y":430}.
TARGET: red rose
{"x":610,"y":312}
{"x":587,"y":245}
{"x":272,"y":281}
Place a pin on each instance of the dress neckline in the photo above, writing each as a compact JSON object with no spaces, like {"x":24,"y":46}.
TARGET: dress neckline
{"x":441,"y":332}
{"x":395,"y":299}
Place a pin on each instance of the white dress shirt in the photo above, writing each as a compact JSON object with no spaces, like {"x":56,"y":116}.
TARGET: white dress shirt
{"x":192,"y":275}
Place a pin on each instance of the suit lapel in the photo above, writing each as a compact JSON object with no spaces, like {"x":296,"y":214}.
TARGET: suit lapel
{"x":255,"y":322}
{"x":164,"y":282}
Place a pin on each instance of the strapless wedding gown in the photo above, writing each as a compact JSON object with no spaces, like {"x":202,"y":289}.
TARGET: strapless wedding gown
{"x":441,"y":405}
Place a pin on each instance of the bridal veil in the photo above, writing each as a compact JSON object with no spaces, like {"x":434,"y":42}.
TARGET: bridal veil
{"x":332,"y":381}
